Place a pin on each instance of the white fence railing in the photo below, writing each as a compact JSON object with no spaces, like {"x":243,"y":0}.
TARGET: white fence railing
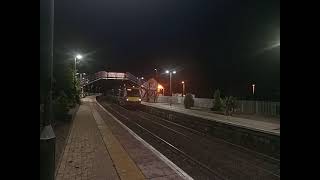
{"x":109,"y":75}
{"x":244,"y":106}
{"x":259,"y":107}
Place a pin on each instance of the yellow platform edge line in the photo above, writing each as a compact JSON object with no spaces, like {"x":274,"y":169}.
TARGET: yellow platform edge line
{"x":125,"y":166}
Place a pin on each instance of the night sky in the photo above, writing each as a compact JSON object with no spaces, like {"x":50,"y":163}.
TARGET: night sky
{"x":212,"y":44}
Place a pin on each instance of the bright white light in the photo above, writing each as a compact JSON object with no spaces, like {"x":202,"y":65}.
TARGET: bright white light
{"x":167,"y":71}
{"x":139,"y":99}
{"x":174,"y":72}
{"x":182,"y":82}
{"x":79,"y":56}
{"x":272,"y":46}
{"x":155,"y":69}
{"x":275,"y":45}
{"x":142,"y":78}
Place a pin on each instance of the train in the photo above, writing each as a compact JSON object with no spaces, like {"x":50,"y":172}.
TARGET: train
{"x":127,"y":96}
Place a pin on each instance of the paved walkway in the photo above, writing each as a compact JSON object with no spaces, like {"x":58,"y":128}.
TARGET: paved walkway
{"x":272,"y":127}
{"x":100,"y":148}
{"x":85,"y":155}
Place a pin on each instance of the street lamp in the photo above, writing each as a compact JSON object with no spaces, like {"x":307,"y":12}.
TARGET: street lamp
{"x":254,"y":99}
{"x":82,"y":82}
{"x":253,"y":86}
{"x":183,"y":87}
{"x":78,"y":56}
{"x":82,"y":76}
{"x":156,"y":74}
{"x":140,"y":80}
{"x":170,"y":74}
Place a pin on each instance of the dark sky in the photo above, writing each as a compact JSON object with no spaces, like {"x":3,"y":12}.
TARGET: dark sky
{"x":212,"y":44}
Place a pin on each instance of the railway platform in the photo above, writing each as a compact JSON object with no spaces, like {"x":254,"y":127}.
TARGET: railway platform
{"x":101,"y":147}
{"x":267,"y":125}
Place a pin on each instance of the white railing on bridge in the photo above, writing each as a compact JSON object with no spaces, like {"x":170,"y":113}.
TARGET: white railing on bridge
{"x":132,"y":78}
{"x":109,"y":75}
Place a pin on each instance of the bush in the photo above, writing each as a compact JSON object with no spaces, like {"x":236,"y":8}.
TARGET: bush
{"x":188,"y":101}
{"x":61,"y":106}
{"x":230,"y":104}
{"x":217,"y":102}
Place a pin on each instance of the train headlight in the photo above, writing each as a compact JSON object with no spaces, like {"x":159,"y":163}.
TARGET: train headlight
{"x":139,"y":99}
{"x":127,"y":99}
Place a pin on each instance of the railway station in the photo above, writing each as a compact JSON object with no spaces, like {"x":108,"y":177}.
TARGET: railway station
{"x":158,"y":140}
{"x":159,"y":90}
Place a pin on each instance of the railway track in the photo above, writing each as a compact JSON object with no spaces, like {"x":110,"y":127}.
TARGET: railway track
{"x":270,"y":164}
{"x":255,"y":141}
{"x":202,"y":157}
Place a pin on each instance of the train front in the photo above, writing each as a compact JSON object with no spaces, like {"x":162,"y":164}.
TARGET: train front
{"x":133,"y":97}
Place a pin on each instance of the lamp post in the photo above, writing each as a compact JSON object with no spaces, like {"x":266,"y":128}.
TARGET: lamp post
{"x":253,"y":88}
{"x":183,"y":88}
{"x":82,"y":82}
{"x":140,"y":80}
{"x":156,"y":74}
{"x":170,"y":74}
{"x":75,"y":63}
{"x":82,"y":76}
{"x":254,"y":99}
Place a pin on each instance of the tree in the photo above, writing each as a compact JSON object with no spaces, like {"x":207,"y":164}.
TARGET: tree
{"x":66,"y":85}
{"x":217,"y":102}
{"x":66,"y":90}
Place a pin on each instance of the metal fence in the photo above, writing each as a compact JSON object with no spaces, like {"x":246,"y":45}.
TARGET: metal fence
{"x":259,"y":107}
{"x":267,"y":108}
